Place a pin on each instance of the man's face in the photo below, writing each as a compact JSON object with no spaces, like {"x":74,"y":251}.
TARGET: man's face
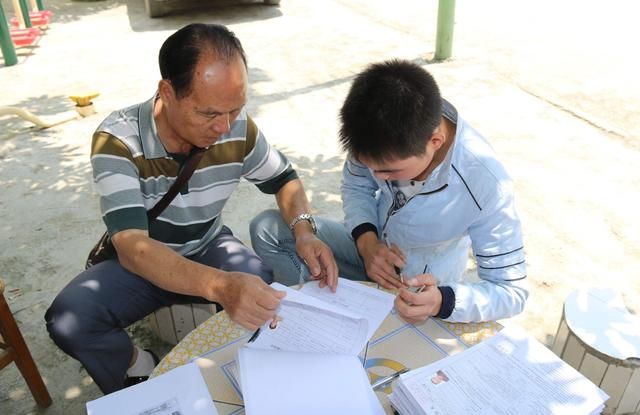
{"x":218,"y":94}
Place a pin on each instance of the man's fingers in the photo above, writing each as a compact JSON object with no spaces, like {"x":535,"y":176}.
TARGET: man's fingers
{"x":331,"y":269}
{"x":249,"y":322}
{"x":270,"y":300}
{"x":313,"y":265}
{"x":260,"y":315}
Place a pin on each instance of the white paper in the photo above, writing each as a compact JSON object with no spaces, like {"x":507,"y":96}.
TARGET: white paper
{"x":310,"y":325}
{"x":371,"y":303}
{"x":283,"y":383}
{"x":511,"y":373}
{"x":181,"y":391}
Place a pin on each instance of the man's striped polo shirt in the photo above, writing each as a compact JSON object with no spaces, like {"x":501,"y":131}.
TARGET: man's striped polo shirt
{"x":132,"y":171}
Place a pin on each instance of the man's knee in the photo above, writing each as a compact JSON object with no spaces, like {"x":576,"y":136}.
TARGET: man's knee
{"x":71,"y":321}
{"x":63,"y":325}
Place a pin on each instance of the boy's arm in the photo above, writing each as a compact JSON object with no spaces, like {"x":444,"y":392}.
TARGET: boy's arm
{"x":497,"y":244}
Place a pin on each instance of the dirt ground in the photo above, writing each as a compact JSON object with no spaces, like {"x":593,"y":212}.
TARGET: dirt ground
{"x":553,"y":86}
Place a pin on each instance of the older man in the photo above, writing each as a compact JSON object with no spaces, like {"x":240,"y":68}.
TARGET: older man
{"x":186,"y":254}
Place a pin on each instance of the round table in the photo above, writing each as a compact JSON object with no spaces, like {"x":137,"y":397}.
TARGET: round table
{"x":219,"y":334}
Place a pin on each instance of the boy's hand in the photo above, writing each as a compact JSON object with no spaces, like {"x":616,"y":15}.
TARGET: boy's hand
{"x":419,"y":306}
{"x":381,"y":262}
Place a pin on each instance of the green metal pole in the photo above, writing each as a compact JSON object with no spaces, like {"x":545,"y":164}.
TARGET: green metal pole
{"x":444,"y":34}
{"x":40,"y":5}
{"x":25,"y":13}
{"x":6,"y":44}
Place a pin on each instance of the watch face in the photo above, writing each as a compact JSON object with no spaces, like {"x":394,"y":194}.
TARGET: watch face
{"x":308,"y":218}
{"x":313,"y":224}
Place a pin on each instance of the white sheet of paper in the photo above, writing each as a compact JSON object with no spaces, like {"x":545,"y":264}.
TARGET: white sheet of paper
{"x":310,"y":325}
{"x":369,"y":302}
{"x":181,"y":391}
{"x":510,"y":370}
{"x":293,"y":383}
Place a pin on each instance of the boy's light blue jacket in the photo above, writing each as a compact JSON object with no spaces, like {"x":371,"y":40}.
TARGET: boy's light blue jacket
{"x":466,"y":202}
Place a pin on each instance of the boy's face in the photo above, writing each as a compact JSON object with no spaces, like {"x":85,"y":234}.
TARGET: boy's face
{"x":412,"y":168}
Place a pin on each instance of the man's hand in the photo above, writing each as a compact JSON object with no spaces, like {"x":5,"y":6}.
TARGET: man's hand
{"x":381,"y":261}
{"x":248,"y":300}
{"x":319,"y":258}
{"x":417,"y":307}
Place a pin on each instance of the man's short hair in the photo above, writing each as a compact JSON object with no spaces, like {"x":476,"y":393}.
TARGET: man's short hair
{"x":181,"y":51}
{"x":390,"y":112}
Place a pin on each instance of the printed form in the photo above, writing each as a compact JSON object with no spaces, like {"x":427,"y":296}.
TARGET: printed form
{"x":307,"y":324}
{"x":181,"y":391}
{"x":312,"y":353}
{"x":371,"y":303}
{"x":510,"y":373}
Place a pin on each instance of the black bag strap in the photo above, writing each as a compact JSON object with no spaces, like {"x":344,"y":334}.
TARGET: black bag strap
{"x":188,"y":168}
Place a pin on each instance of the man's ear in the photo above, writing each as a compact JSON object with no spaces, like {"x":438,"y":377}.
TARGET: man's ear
{"x":167,"y":94}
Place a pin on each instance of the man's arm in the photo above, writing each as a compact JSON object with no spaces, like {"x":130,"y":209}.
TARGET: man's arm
{"x":270,"y":170}
{"x":248,"y":300}
{"x":292,"y":201}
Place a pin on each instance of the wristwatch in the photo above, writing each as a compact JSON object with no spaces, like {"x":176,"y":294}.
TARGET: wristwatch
{"x":308,"y":218}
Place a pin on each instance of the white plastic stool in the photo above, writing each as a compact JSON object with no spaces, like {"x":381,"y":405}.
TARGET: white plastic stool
{"x":172,"y":324}
{"x":601,"y":339}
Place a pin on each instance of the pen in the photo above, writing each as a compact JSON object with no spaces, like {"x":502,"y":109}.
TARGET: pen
{"x":395,"y":267}
{"x":272,"y":326}
{"x":418,"y":290}
{"x":254,"y":335}
{"x":385,"y":380}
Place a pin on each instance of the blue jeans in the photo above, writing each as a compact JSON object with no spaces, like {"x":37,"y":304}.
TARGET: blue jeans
{"x":273,"y":241}
{"x":87,"y":319}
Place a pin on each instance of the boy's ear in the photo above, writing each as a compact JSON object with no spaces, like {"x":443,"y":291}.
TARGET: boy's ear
{"x":437,"y":139}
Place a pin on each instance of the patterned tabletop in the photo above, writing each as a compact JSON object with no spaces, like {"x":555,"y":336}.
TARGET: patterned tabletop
{"x":219,"y":330}
{"x":394,"y":346}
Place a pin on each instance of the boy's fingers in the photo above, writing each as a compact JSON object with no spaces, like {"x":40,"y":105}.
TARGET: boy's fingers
{"x":422,"y":279}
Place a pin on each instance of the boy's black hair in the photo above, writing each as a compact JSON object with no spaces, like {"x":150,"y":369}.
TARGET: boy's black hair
{"x":179,"y":54}
{"x":390,"y":112}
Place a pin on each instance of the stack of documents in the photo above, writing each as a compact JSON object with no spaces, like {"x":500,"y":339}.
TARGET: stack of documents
{"x":509,"y":373}
{"x":181,"y":391}
{"x":304,"y":383}
{"x":309,"y":362}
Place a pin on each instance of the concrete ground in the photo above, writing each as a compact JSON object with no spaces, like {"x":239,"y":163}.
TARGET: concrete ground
{"x":551,"y":84}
